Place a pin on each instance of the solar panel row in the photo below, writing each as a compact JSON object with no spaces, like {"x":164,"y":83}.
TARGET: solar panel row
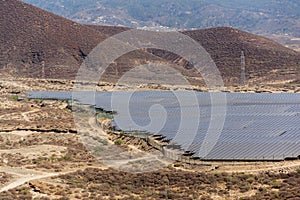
{"x":253,"y":126}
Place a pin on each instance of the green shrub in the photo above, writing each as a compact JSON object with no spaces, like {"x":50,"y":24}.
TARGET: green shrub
{"x":245,"y":188}
{"x":118,"y":142}
{"x":14,"y":97}
{"x":105,"y":142}
{"x":67,"y":157}
{"x":276,"y":185}
{"x":250,"y":179}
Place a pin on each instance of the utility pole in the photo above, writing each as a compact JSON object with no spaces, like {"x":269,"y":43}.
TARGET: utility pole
{"x":243,"y":69}
{"x":43,"y":69}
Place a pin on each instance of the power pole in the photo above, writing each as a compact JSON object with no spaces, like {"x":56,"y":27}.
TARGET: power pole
{"x":43,"y":70}
{"x":243,"y":69}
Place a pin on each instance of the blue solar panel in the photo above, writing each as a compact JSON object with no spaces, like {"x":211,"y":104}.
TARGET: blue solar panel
{"x":256,"y":126}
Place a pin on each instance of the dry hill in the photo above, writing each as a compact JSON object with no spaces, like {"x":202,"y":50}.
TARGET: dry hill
{"x":39,"y":44}
{"x":32,"y":37}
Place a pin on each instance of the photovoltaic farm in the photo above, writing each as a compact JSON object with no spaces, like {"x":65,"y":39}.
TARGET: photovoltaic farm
{"x":210,"y":126}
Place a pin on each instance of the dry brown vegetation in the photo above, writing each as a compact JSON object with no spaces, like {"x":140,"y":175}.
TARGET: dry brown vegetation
{"x":22,"y":192}
{"x":94,"y":183}
{"x":4,"y":178}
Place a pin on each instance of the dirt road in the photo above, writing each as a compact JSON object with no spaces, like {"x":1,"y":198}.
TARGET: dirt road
{"x":25,"y":175}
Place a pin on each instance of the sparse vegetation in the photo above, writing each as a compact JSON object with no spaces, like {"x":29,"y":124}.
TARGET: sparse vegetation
{"x":14,"y":97}
{"x":118,"y":142}
{"x":22,"y":192}
{"x":187,"y":185}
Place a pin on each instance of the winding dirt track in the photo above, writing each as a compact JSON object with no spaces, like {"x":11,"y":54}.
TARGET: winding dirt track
{"x":27,"y":178}
{"x":26,"y":175}
{"x":24,"y":114}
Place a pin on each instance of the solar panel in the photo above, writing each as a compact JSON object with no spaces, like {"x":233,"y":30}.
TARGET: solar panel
{"x":257,"y":126}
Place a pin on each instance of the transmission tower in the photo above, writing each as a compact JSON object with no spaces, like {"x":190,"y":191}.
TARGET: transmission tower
{"x":43,"y":70}
{"x":243,"y":69}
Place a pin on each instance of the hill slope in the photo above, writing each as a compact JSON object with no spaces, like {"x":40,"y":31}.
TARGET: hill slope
{"x":264,"y":57}
{"x":266,"y":60}
{"x":39,"y":44}
{"x":32,"y":37}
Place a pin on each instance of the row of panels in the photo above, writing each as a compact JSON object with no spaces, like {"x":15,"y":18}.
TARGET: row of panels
{"x":215,"y":126}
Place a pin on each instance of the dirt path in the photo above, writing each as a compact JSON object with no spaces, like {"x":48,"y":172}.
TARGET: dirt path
{"x":27,"y":178}
{"x":148,"y":157}
{"x":18,"y":116}
{"x":27,"y":175}
{"x":15,"y":84}
{"x":24,"y":114}
{"x":36,"y":151}
{"x":287,"y":165}
{"x":18,"y":133}
{"x":142,"y":155}
{"x":95,"y":127}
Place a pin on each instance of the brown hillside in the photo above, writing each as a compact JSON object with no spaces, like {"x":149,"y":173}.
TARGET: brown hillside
{"x":36,"y":43}
{"x":265,"y":59}
{"x":262,"y":55}
{"x":32,"y":38}
{"x":109,"y":30}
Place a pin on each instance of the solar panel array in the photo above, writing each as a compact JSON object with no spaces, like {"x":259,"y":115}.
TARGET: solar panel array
{"x":257,"y":126}
{"x":53,"y":95}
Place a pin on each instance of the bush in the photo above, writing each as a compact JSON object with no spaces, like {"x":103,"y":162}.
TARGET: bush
{"x":250,"y":179}
{"x":276,"y":185}
{"x":105,"y":142}
{"x":118,"y":142}
{"x":14,"y":97}
{"x":67,"y":157}
{"x":244,"y":188}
